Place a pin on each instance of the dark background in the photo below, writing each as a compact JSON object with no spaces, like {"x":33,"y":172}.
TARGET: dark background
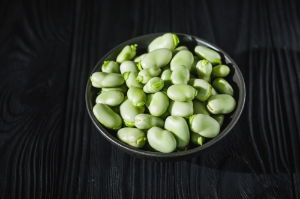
{"x":49,"y":148}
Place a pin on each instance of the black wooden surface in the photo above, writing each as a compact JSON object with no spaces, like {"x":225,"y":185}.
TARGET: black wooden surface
{"x":49,"y":147}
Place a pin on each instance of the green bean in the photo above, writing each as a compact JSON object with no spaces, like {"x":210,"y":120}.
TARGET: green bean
{"x":197,"y":139}
{"x":221,"y":104}
{"x":179,"y":127}
{"x":107,"y":117}
{"x":220,"y":71}
{"x":203,"y":69}
{"x":154,"y":85}
{"x":139,"y":58}
{"x":208,"y":54}
{"x":110,"y":67}
{"x":181,"y":109}
{"x":219,"y":118}
{"x":146,"y":74}
{"x":222,"y":86}
{"x":128,"y":66}
{"x":131,"y":80}
{"x":182,"y":58}
{"x":180,"y":75}
{"x":181,"y":92}
{"x":199,"y":107}
{"x":157,"y":103}
{"x":203,"y":88}
{"x":204,"y":125}
{"x":146,"y":121}
{"x":168,"y":40}
{"x":103,"y":80}
{"x":111,"y":98}
{"x":129,"y":111}
{"x":136,"y":96}
{"x":161,"y":140}
{"x":156,"y":59}
{"x":132,"y":136}
{"x":127,"y":53}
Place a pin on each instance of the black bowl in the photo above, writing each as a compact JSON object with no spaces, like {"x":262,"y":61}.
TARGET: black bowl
{"x":235,"y":78}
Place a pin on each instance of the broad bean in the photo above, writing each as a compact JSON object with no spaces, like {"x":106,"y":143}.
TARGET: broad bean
{"x":161,"y":140}
{"x":111,"y":98}
{"x":103,"y":80}
{"x":181,"y":109}
{"x":107,"y":117}
{"x":127,"y":53}
{"x":204,"y":125}
{"x":168,"y":40}
{"x":181,"y":92}
{"x":221,"y":104}
{"x":208,"y":54}
{"x":132,"y":136}
{"x":179,"y":127}
{"x":147,"y":121}
{"x":129,"y":111}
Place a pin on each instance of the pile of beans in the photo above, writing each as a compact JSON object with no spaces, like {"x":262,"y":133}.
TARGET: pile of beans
{"x":164,"y":98}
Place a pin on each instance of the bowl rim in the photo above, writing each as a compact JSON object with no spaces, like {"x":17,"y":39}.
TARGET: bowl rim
{"x":151,"y":154}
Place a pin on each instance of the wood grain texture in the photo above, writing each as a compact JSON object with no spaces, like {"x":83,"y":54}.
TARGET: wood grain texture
{"x":49,"y":147}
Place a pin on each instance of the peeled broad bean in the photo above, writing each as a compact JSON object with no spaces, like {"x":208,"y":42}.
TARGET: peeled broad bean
{"x":157,"y":103}
{"x":220,"y":71}
{"x":157,"y":58}
{"x":110,"y":67}
{"x":168,"y":40}
{"x":219,"y":118}
{"x":147,"y":121}
{"x":154,"y":85}
{"x":136,"y":96}
{"x":132,"y":136}
{"x":197,"y":139}
{"x":131,"y":80}
{"x":182,"y":109}
{"x":179,"y":127}
{"x":221,"y":104}
{"x":199,"y":107}
{"x":203,"y":69}
{"x":182,"y":58}
{"x":107,"y":117}
{"x":166,"y":75}
{"x":129,"y":111}
{"x":127,"y":53}
{"x":204,"y":125}
{"x":203,"y":88}
{"x":161,"y":140}
{"x":222,"y":86}
{"x":103,"y":80}
{"x":181,"y":92}
{"x":128,"y":66}
{"x":146,"y":74}
{"x":139,"y":58}
{"x":111,"y":98}
{"x":180,"y":75}
{"x":208,"y":54}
